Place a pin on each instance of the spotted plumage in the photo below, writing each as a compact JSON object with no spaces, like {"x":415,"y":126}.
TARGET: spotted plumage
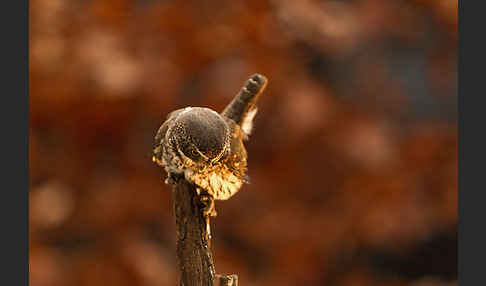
{"x":206,"y":147}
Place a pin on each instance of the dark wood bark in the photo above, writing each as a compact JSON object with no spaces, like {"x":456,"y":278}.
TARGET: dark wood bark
{"x":195,"y":261}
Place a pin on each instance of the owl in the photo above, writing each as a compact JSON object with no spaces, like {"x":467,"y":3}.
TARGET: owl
{"x":205,"y":147}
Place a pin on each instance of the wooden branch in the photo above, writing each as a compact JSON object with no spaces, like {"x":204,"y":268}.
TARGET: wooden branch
{"x":195,"y":261}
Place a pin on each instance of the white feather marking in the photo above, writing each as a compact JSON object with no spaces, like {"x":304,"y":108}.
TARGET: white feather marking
{"x":247,"y":124}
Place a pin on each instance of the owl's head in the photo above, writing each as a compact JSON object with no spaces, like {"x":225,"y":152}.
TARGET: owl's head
{"x":197,"y":136}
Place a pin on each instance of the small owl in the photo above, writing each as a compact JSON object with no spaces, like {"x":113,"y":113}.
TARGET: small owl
{"x":206,"y":147}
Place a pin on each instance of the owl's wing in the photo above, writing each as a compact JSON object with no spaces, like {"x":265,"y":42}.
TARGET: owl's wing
{"x":160,"y":136}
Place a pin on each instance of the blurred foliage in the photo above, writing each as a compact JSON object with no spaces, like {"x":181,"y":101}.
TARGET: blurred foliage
{"x":353,"y":161}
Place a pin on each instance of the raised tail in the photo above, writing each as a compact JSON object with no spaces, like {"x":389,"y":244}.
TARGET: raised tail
{"x":245,"y":101}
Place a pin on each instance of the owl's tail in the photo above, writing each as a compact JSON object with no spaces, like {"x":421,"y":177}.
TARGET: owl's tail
{"x":244,"y":102}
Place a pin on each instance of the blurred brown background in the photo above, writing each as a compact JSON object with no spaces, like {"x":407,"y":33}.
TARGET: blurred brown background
{"x":353,"y":160}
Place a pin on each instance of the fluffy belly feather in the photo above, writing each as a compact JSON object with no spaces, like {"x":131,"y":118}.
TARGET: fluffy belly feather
{"x":219,"y":182}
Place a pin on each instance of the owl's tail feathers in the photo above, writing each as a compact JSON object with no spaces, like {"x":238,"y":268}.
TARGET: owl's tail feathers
{"x":242,"y":108}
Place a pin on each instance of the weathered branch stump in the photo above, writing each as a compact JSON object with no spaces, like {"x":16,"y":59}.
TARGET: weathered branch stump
{"x":195,"y":260}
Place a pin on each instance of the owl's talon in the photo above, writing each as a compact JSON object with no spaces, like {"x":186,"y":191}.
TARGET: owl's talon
{"x":172,"y":179}
{"x":207,"y":233}
{"x":208,"y":209}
